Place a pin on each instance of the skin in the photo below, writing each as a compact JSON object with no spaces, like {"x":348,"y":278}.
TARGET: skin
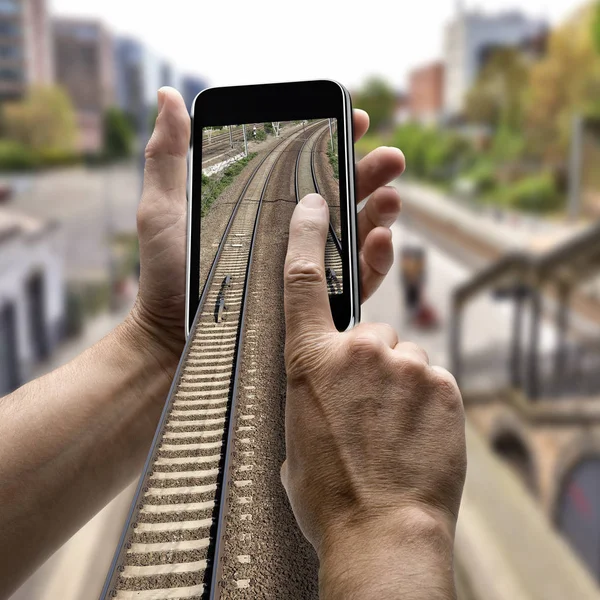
{"x":71,"y":440}
{"x":375,"y":441}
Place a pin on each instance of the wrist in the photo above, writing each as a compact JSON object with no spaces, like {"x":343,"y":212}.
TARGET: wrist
{"x":160,"y":349}
{"x":406,"y":555}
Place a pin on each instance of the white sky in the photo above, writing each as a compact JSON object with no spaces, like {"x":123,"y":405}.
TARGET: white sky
{"x":253,"y":41}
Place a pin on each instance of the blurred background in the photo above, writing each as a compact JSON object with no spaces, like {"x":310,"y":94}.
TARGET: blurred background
{"x":496,"y":106}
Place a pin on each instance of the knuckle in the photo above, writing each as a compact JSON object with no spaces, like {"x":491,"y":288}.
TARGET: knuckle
{"x":415,"y":349}
{"x":447,"y":388}
{"x":302,"y":271}
{"x":413,"y":368}
{"x":365,"y":345}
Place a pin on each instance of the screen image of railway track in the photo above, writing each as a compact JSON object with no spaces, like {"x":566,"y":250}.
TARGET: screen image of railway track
{"x":211,"y":519}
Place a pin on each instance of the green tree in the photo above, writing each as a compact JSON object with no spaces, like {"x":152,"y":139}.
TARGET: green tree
{"x":564,"y":83}
{"x":119,"y":135}
{"x":43,"y":121}
{"x":379,"y":100}
{"x":596,"y":26}
{"x":498,"y":97}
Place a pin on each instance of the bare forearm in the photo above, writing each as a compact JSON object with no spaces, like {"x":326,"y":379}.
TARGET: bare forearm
{"x":72,"y":439}
{"x":405,"y":559}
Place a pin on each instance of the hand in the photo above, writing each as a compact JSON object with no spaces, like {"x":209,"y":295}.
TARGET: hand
{"x":374,"y":439}
{"x":162,"y":220}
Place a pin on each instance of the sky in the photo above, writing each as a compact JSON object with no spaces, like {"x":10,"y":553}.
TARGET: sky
{"x":257,"y":41}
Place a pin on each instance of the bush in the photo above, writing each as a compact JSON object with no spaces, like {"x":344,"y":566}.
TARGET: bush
{"x":537,"y":193}
{"x":333,"y":160}
{"x":58,"y":157}
{"x":261,"y":136}
{"x":213,"y":187}
{"x":483,"y":177}
{"x":268,"y":128}
{"x":16,"y":157}
{"x":432,"y":153}
{"x":119,"y":135}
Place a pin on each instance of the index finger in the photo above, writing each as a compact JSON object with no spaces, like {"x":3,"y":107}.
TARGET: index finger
{"x":305,"y":285}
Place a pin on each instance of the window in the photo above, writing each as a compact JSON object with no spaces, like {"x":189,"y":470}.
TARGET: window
{"x":11,"y":75}
{"x":10,"y":52}
{"x":9,"y":28}
{"x":9,"y":7}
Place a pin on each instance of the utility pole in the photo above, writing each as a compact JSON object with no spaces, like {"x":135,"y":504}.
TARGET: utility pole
{"x":230,"y":138}
{"x":245,"y":141}
{"x":331,"y":135}
{"x":575,"y":167}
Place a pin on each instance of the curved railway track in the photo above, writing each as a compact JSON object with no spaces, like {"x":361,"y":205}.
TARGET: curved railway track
{"x":303,"y":186}
{"x":175,"y":524}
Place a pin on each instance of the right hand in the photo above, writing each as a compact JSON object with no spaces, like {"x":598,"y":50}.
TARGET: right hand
{"x":374,"y":435}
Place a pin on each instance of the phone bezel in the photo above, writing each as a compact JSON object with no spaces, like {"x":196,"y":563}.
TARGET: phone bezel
{"x":277,"y":102}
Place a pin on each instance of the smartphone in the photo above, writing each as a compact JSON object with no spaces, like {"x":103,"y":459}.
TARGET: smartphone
{"x":258,"y":144}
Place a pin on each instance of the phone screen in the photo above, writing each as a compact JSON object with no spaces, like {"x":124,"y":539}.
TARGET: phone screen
{"x":248,"y":166}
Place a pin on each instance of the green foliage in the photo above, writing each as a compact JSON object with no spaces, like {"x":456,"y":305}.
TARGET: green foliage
{"x":269,"y":128}
{"x":261,"y":135}
{"x":483,"y":176}
{"x":432,"y":153}
{"x":596,"y":26}
{"x":58,"y":157}
{"x":333,"y":160}
{"x":213,"y":187}
{"x":379,"y":100}
{"x":499,"y":95}
{"x":16,"y":157}
{"x":43,"y":120}
{"x":508,"y":146}
{"x":537,"y":193}
{"x":119,"y":135}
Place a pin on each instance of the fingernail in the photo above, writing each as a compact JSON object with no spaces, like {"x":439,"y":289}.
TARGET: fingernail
{"x":313,"y":201}
{"x":161,"y":99}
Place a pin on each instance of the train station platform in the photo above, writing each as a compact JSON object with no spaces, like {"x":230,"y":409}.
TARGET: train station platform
{"x":506,"y":549}
{"x":502,"y":230}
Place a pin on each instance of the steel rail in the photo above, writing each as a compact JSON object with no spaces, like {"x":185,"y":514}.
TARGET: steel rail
{"x":214,"y":590}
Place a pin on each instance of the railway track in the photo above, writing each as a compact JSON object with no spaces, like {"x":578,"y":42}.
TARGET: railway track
{"x":304,"y":184}
{"x":175,"y":525}
{"x":222,"y":145}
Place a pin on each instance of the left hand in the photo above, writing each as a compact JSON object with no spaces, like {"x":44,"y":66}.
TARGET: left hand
{"x":162,"y":220}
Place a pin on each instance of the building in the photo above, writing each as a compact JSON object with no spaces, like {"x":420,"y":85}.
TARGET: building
{"x":129,"y":75}
{"x":426,"y":93}
{"x":470,"y":39}
{"x":25,"y":47}
{"x":85,"y":66}
{"x":32,"y":295}
{"x":190,"y":87}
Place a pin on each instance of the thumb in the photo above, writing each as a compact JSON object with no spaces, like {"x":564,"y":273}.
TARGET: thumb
{"x":305,"y":287}
{"x":165,"y":173}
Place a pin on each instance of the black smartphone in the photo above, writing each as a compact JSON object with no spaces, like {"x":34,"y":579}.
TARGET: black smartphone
{"x":258,"y":144}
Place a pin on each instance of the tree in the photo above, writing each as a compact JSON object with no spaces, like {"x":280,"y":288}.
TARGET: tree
{"x":379,"y":100}
{"x":119,"y":134}
{"x":499,"y":95}
{"x":43,"y":121}
{"x":564,"y":83}
{"x":596,"y":26}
